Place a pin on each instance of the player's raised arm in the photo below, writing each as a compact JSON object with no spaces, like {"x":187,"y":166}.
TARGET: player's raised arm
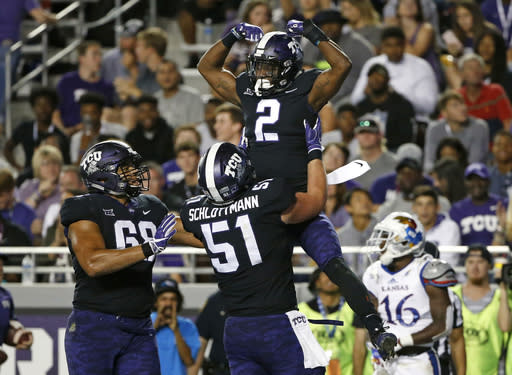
{"x":311,"y":203}
{"x":211,"y":64}
{"x":328,"y":82}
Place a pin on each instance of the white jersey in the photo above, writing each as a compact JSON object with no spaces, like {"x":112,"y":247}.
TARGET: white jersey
{"x":403,"y":301}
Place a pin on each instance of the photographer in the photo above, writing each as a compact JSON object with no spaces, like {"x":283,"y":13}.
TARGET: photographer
{"x":485,"y":311}
{"x":177,"y":337}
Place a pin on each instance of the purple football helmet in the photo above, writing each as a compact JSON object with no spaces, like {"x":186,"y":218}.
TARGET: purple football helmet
{"x":113,"y":167}
{"x":274,"y":63}
{"x":225,"y":172}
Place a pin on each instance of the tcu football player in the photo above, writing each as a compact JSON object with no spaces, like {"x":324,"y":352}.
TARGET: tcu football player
{"x":277,"y":97}
{"x":114,"y":233}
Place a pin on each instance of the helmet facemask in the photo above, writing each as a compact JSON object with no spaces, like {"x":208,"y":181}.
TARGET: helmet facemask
{"x":135,"y":177}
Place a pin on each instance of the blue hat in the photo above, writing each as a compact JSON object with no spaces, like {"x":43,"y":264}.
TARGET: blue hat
{"x":478,"y":169}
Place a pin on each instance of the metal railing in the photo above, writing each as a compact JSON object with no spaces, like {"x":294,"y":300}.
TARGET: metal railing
{"x":191,"y":270}
{"x":81,"y":29}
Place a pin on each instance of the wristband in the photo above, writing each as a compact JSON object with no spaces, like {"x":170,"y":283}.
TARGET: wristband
{"x":314,"y":33}
{"x":314,"y":154}
{"x":406,"y":340}
{"x":147,"y":250}
{"x":229,"y":40}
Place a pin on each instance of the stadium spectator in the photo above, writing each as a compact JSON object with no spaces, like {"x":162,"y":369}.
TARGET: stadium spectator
{"x":468,"y":24}
{"x":346,"y":121}
{"x":42,"y":191}
{"x":491,"y":46}
{"x":194,"y":11}
{"x":156,"y":176}
{"x":410,"y":75}
{"x":9,"y":324}
{"x":187,"y":159}
{"x":364,"y":19}
{"x":420,"y":35}
{"x":385,"y":187}
{"x":496,"y":12}
{"x":206,"y":127}
{"x":176,"y":336}
{"x":210,"y":324}
{"x":473,"y":133}
{"x":12,"y":235}
{"x":334,"y":156}
{"x":391,"y":108}
{"x":486,"y":101}
{"x":501,"y":171}
{"x":17,"y":212}
{"x":359,"y":49}
{"x":328,"y":303}
{"x":452,"y":148}
{"x":428,"y":8}
{"x":183,"y":134}
{"x":229,"y":122}
{"x":476,"y":214}
{"x":178,"y":104}
{"x":409,"y":175}
{"x":371,"y":148}
{"x":117,"y":62}
{"x":305,"y":11}
{"x":13,"y":12}
{"x":358,"y":203}
{"x":485,"y":311}
{"x":91,"y":126}
{"x":447,"y":175}
{"x":255,"y":12}
{"x":439,"y":228}
{"x":74,"y":84}
{"x":152,"y":137}
{"x":29,"y":134}
{"x":150,"y":50}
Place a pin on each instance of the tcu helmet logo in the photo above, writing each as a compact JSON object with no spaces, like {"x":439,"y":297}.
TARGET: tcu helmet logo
{"x":92,"y":157}
{"x":233,"y":165}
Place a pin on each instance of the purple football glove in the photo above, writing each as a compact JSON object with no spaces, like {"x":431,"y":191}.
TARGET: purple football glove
{"x":163,"y":234}
{"x":247,"y":31}
{"x":295,"y":28}
{"x":313,"y":135}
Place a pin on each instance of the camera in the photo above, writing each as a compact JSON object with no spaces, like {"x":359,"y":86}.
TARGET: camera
{"x":506,"y":274}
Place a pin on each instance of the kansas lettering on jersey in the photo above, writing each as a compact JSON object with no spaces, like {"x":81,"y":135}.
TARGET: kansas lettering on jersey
{"x":249,"y":246}
{"x":127,"y":292}
{"x":274,"y":127}
{"x":477,"y":223}
{"x":403,"y":301}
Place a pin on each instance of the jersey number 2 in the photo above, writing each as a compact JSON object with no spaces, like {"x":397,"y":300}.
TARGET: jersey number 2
{"x":231,"y":264}
{"x":271,"y":119}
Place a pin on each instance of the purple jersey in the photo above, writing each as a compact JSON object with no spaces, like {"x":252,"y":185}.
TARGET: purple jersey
{"x":477,"y":223}
{"x":71,"y":87}
{"x":11,"y":16}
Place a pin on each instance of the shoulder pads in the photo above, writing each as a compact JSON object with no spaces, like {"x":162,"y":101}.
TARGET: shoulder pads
{"x":438,"y":273}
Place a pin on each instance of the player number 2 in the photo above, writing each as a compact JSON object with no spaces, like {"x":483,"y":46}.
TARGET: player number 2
{"x":231,"y":264}
{"x":273,"y":116}
{"x":400,"y":311}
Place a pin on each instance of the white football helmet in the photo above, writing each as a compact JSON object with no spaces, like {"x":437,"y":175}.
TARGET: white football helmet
{"x":397,"y":235}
